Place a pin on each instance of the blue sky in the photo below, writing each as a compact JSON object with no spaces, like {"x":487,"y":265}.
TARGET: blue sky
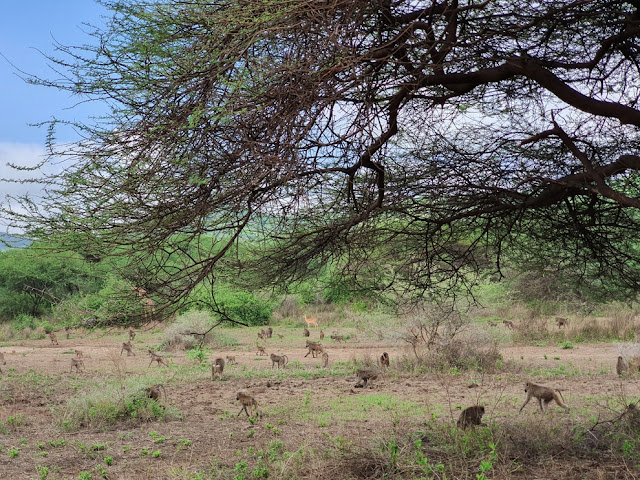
{"x":26,"y":29}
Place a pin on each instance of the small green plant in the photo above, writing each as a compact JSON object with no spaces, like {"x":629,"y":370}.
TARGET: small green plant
{"x":156,"y":454}
{"x":84,"y":475}
{"x":108,"y":460}
{"x":198,"y":355}
{"x":13,"y":452}
{"x":567,"y":345}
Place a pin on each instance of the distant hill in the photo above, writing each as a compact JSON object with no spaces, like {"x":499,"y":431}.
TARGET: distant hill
{"x":7,"y":241}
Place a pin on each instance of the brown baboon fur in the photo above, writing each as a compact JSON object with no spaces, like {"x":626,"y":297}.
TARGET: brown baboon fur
{"x":306,"y":332}
{"x":132,"y":335}
{"x":2,"y":359}
{"x":262,"y":335}
{"x":562,"y":322}
{"x":471,"y":416}
{"x":314,"y":348}
{"x":76,"y":362}
{"x":321,"y":335}
{"x":325,"y":359}
{"x":156,"y":358}
{"x":279,"y":359}
{"x":128,"y":347}
{"x":260,"y":350}
{"x":68,"y":332}
{"x":337,"y":338}
{"x":492,"y":324}
{"x":54,"y":340}
{"x":155,"y":392}
{"x":280,"y":336}
{"x":508,"y":323}
{"x":79,"y":353}
{"x":384,"y":360}
{"x":621,"y":367}
{"x":543,"y":394}
{"x":269,"y":332}
{"x":248,"y":403}
{"x":231,"y":360}
{"x":217,"y":367}
{"x":365,"y":376}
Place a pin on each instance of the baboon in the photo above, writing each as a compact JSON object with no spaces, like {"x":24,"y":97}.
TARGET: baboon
{"x":365,"y":376}
{"x":156,"y":358}
{"x":269,"y":332}
{"x":76,"y":362}
{"x":306,"y":332}
{"x":337,"y":338}
{"x":325,"y":359}
{"x":492,"y":324}
{"x":132,"y":335}
{"x":314,"y":349}
{"x":79,"y":353}
{"x":562,"y":322}
{"x":311,"y":321}
{"x":632,"y":365}
{"x":279,"y":359}
{"x":128,"y":347}
{"x":68,"y":332}
{"x":384,"y":360}
{"x":54,"y":340}
{"x":543,"y":393}
{"x":155,"y":392}
{"x":217,"y":367}
{"x":508,"y":323}
{"x":248,"y":403}
{"x":321,"y":335}
{"x":2,"y":359}
{"x":471,"y":416}
{"x":262,"y":335}
{"x":231,"y":360}
{"x":280,"y":336}
{"x":260,"y":350}
{"x":621,"y":367}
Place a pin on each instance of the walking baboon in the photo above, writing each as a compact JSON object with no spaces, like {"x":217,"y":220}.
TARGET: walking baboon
{"x":155,"y":392}
{"x":314,"y":348}
{"x":306,"y":332}
{"x":508,"y":323}
{"x":76,"y":362}
{"x":384,"y":360}
{"x":248,"y":403}
{"x":543,"y":394}
{"x":365,"y":376}
{"x":325,"y":359}
{"x":68,"y":331}
{"x":132,"y":335}
{"x":337,"y":338}
{"x":156,"y":358}
{"x":321,"y":335}
{"x":562,"y":322}
{"x":79,"y":353}
{"x":128,"y":347}
{"x":279,"y":359}
{"x":217,"y":367}
{"x":471,"y":416}
{"x":54,"y":340}
{"x":231,"y":360}
{"x":260,"y":350}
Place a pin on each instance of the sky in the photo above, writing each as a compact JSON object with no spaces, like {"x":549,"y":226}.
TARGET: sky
{"x":27,"y":30}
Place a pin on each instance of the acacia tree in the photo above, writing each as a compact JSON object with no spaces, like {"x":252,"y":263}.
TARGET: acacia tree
{"x":407,"y":142}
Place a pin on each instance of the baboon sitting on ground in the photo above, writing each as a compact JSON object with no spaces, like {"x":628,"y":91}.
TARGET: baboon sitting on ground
{"x":384,"y":360}
{"x":76,"y":362}
{"x":365,"y":376}
{"x":471,"y":416}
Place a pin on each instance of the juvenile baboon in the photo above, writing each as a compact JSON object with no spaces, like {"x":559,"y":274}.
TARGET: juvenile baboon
{"x":633,"y":365}
{"x":231,"y":360}
{"x":128,"y":347}
{"x":508,"y":323}
{"x":543,"y":394}
{"x":260,"y":350}
{"x":325,"y":359}
{"x":321,"y":335}
{"x":155,"y":392}
{"x":262,"y":335}
{"x":217,"y":367}
{"x":54,"y":340}
{"x":281,"y":360}
{"x":79,"y":353}
{"x":337,"y":338}
{"x":269,"y":332}
{"x":365,"y":376}
{"x":248,"y":404}
{"x":76,"y":362}
{"x":314,"y":348}
{"x":132,"y":335}
{"x":306,"y":332}
{"x":156,"y":358}
{"x":471,"y":416}
{"x":384,"y":360}
{"x":562,"y":322}
{"x":280,"y":336}
{"x":68,"y":331}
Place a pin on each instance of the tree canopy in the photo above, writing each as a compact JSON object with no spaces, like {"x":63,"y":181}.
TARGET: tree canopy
{"x":408,"y":142}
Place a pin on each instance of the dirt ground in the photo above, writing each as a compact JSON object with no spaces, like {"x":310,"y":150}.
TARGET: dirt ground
{"x":209,"y":431}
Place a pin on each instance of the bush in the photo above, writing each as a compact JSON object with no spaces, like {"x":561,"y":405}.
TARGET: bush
{"x":179,"y":334}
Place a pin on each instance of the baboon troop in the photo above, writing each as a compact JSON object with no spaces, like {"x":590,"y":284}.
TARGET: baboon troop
{"x":54,"y":340}
{"x":156,"y":358}
{"x":325,"y":359}
{"x":306,"y":332}
{"x":562,"y":322}
{"x":260,"y":350}
{"x":76,"y":362}
{"x":231,"y":360}
{"x":321,"y":335}
{"x":155,"y":392}
{"x":471,"y":416}
{"x":311,"y":321}
{"x":543,"y":394}
{"x":314,"y":348}
{"x":132,"y":335}
{"x":217,"y":367}
{"x":248,"y":403}
{"x":384,"y":360}
{"x":281,"y":360}
{"x":508,"y":323}
{"x":128,"y":347}
{"x":365,"y":376}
